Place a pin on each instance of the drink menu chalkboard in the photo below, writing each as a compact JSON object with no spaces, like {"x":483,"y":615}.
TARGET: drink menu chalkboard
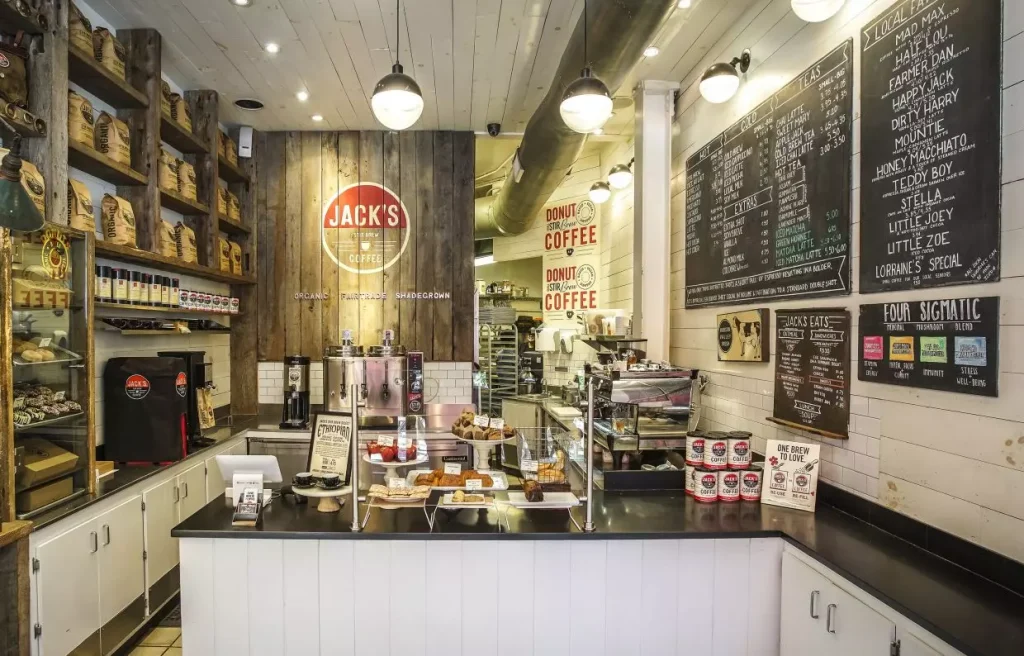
{"x":930,"y":97}
{"x":812,"y":370}
{"x":949,"y":344}
{"x":768,"y":200}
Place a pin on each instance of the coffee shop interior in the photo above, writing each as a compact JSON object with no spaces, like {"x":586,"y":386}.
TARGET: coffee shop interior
{"x":512,"y":326}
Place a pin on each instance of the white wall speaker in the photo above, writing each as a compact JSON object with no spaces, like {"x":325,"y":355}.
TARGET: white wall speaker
{"x":245,"y":141}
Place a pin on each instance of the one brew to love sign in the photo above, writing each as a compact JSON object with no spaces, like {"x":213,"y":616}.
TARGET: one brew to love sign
{"x":572,"y":259}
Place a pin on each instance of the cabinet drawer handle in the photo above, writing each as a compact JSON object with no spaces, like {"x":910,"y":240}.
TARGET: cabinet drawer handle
{"x":830,"y":618}
{"x":95,"y":540}
{"x":814,"y":604}
{"x":106,"y":534}
{"x":185,"y":485}
{"x":177,"y":494}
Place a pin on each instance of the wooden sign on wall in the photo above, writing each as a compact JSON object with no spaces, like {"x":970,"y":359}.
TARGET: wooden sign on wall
{"x":365,"y":231}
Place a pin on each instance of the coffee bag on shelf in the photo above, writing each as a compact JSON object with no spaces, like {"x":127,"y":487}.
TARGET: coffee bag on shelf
{"x":222,"y":200}
{"x":222,"y":145}
{"x":180,"y":111}
{"x":113,"y":139}
{"x":80,"y":210}
{"x":187,"y":180}
{"x":225,"y":254}
{"x":14,"y":73}
{"x":236,"y":258}
{"x":165,"y":99}
{"x":80,"y":31}
{"x":118,"y":221}
{"x":186,"y":243}
{"x":231,"y":151}
{"x":108,"y":51}
{"x":80,"y":120}
{"x":166,"y":239}
{"x":234,"y":207}
{"x":167,"y":177}
{"x":32,"y":181}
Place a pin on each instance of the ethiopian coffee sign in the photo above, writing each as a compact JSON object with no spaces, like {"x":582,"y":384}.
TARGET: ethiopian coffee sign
{"x":949,"y":344}
{"x":365,"y":228}
{"x":930,"y":98}
{"x":572,"y":259}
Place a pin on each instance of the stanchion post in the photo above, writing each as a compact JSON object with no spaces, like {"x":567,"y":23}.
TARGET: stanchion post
{"x":588,"y":525}
{"x":354,"y":458}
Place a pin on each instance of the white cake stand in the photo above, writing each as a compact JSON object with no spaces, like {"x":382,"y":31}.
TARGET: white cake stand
{"x":483,"y":449}
{"x":329,"y":499}
{"x":393,"y":466}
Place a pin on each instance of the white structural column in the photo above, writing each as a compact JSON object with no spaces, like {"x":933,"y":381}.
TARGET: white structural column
{"x":652,"y":220}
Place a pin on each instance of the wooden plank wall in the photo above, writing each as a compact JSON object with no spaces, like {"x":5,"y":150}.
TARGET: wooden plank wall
{"x":298,"y":175}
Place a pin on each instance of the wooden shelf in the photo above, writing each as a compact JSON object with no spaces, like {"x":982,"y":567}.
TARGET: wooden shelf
{"x":87,"y":73}
{"x":178,"y":137}
{"x":231,"y":226}
{"x":231,"y":172}
{"x":128,"y":332}
{"x":96,"y":163}
{"x":14,"y":531}
{"x":145,"y":258}
{"x":13,"y":21}
{"x":172,"y":200}
{"x":160,"y":310}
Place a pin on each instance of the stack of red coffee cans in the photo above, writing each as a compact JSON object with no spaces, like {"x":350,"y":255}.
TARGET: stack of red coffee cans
{"x":719,"y":467}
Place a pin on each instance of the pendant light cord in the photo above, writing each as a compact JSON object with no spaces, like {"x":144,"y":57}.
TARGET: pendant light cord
{"x":586,"y":62}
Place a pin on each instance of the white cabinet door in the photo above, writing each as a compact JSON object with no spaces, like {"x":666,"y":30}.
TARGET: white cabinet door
{"x":852,"y":628}
{"x":912,"y":646}
{"x":68,"y":590}
{"x":122,"y":569}
{"x":802,"y":629}
{"x":160,"y":517}
{"x":239,"y":449}
{"x":214,"y":480}
{"x":192,"y":490}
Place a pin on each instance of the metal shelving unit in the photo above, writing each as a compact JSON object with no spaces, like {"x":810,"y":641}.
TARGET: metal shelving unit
{"x":499,"y":364}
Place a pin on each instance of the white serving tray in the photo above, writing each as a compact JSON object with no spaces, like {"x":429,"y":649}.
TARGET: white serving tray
{"x":446,"y":502}
{"x":551,"y":500}
{"x":500,"y":481}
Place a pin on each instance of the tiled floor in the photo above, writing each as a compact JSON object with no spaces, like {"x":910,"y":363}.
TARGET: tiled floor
{"x":161,"y":641}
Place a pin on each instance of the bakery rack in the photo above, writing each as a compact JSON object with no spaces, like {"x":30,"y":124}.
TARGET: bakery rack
{"x":499,"y":365}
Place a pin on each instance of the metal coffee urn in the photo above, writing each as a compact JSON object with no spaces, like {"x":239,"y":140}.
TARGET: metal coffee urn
{"x":296,"y":392}
{"x":343,"y":368}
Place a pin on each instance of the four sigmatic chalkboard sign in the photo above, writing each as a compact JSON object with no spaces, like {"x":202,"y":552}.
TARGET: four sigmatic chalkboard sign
{"x":930,"y":145}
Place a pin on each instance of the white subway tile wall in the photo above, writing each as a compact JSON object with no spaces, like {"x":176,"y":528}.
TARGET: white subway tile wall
{"x":446,"y":382}
{"x":560,"y":368}
{"x":950,"y":460}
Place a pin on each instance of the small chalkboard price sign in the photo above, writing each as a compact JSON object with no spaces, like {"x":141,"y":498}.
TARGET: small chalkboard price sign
{"x":330,"y":445}
{"x":812,"y":371}
{"x":949,"y":344}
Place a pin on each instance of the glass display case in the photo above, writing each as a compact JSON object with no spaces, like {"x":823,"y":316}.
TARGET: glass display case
{"x":49,"y":362}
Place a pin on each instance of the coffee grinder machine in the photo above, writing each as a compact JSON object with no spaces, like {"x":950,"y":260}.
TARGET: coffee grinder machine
{"x":296,"y":392}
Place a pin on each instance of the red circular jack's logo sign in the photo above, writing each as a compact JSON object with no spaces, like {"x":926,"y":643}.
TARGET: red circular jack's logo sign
{"x":365,"y":228}
{"x":136,"y":387}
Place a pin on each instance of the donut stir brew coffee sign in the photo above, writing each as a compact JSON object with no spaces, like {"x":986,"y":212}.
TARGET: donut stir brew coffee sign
{"x":930,"y":180}
{"x":572,"y":261}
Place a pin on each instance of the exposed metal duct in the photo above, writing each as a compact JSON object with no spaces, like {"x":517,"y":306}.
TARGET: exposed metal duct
{"x":619,"y":32}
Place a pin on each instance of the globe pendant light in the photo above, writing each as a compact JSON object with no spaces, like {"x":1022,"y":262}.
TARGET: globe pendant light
{"x":397,"y":101}
{"x":621,"y":176}
{"x":815,"y":11}
{"x":587,"y":103}
{"x":720,"y":81}
{"x":600,"y":192}
{"x":17,"y":211}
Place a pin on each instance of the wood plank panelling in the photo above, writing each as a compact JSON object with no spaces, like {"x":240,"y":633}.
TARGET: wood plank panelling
{"x":245,"y":327}
{"x":299,"y":174}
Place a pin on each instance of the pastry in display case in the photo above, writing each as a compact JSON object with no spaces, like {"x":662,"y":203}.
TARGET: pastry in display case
{"x":49,"y":349}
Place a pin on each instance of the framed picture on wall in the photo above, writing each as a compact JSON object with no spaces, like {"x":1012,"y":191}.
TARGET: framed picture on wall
{"x":744,"y":336}
{"x":330,"y":445}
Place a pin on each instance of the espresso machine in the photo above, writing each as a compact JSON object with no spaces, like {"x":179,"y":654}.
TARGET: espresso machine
{"x":296,"y":392}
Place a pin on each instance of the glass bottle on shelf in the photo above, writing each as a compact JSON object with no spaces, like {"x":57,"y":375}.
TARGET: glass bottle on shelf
{"x":51,"y":283}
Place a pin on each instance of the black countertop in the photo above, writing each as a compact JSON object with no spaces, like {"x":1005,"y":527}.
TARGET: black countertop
{"x":971,"y":613}
{"x":126,"y":476}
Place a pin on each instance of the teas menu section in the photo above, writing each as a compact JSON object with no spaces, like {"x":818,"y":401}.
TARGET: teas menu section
{"x":949,"y":344}
{"x":930,"y":98}
{"x":768,"y":200}
{"x":812,"y":369}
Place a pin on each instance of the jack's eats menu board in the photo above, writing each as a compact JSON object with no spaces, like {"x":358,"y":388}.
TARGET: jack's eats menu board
{"x":949,"y":344}
{"x":812,"y":369}
{"x":930,"y":145}
{"x":768,"y":200}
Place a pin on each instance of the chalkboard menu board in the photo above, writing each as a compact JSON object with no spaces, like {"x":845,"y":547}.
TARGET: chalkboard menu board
{"x":949,"y":344}
{"x":768,"y":200}
{"x":930,"y":97}
{"x":812,"y":370}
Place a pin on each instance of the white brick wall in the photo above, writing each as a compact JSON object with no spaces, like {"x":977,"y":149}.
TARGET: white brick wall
{"x":951,"y":460}
{"x":447,"y":382}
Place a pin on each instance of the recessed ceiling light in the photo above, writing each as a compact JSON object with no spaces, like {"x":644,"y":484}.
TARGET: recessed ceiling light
{"x":272,"y":48}
{"x":303,"y":96}
{"x":241,"y":3}
{"x":317,"y":117}
{"x":652,"y":51}
{"x":684,"y":4}
{"x":249,"y":104}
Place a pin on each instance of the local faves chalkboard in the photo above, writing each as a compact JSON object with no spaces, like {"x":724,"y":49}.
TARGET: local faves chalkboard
{"x":930,"y":126}
{"x":768,"y":200}
{"x":949,"y":344}
{"x":812,"y":370}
